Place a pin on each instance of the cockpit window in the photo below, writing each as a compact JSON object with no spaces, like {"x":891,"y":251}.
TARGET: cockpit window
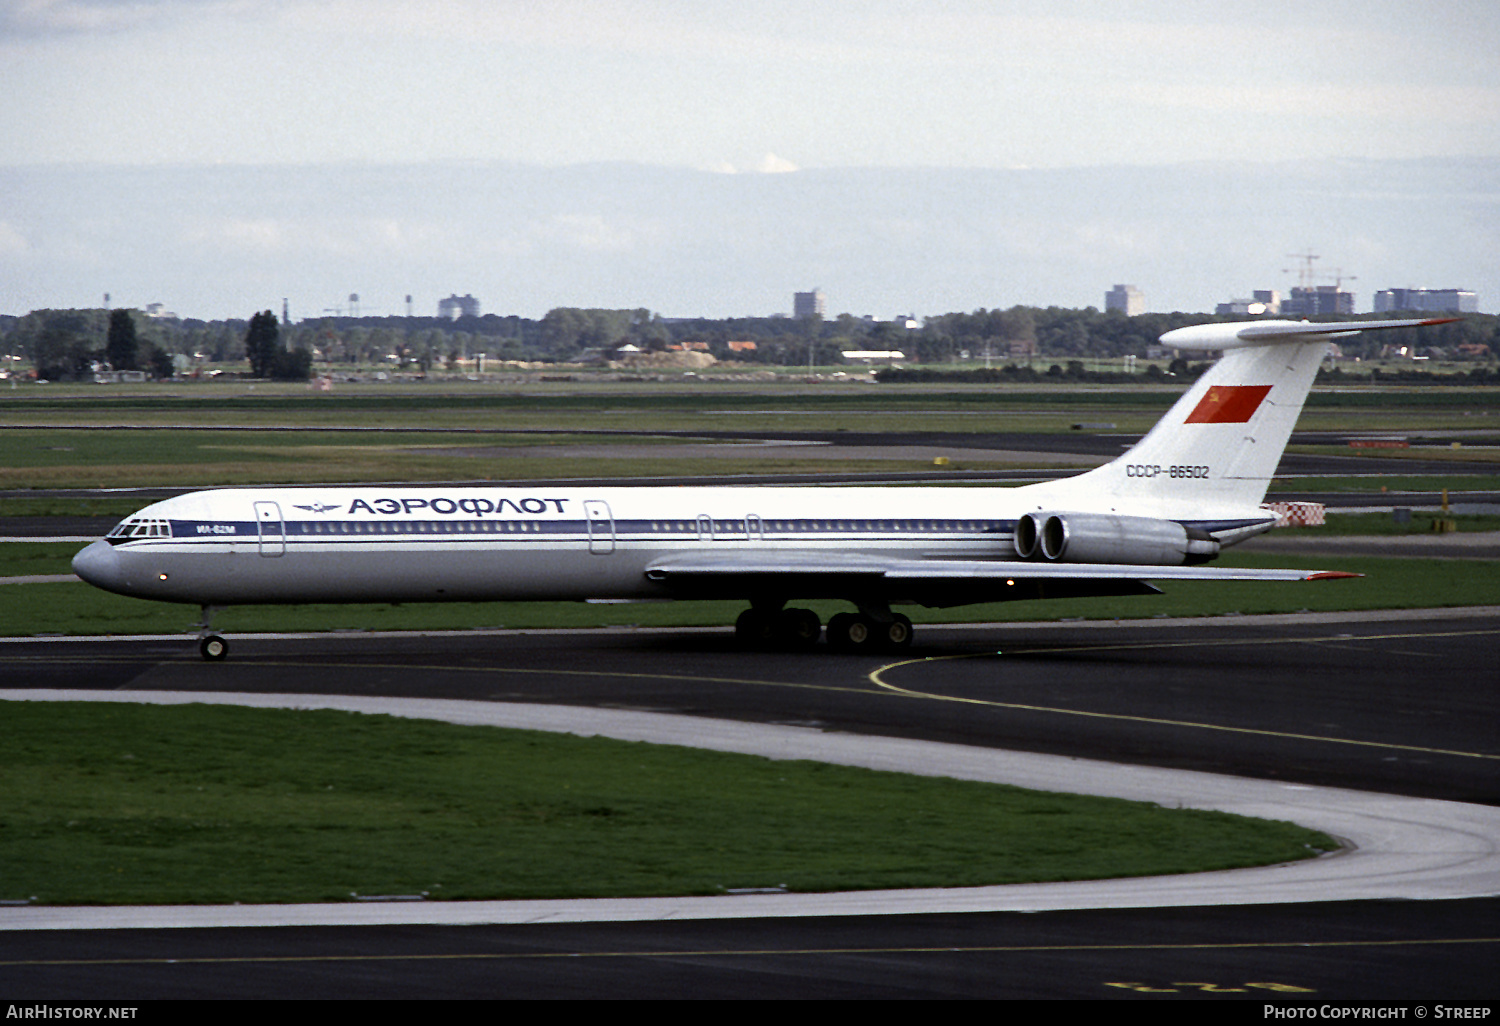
{"x":139,"y":527}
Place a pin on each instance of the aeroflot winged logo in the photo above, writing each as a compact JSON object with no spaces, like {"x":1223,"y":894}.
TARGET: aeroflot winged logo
{"x":1228,"y":404}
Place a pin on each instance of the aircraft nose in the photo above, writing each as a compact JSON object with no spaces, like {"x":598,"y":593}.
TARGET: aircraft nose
{"x":99,"y":565}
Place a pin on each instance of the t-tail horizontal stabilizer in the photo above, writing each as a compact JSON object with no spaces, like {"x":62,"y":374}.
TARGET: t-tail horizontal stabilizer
{"x":1239,"y":334}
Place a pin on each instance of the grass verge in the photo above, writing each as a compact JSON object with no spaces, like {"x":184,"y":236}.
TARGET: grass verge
{"x":1390,"y":483}
{"x":108,"y":803}
{"x":1385,"y":525}
{"x":163,"y":458}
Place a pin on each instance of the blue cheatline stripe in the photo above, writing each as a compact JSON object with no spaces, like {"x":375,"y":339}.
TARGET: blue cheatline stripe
{"x":336,"y":529}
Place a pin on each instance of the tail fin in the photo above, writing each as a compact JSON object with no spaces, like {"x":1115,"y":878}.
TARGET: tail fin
{"x":1219,"y":445}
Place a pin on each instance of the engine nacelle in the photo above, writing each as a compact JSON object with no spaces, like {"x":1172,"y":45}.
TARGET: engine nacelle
{"x":1107,"y":538}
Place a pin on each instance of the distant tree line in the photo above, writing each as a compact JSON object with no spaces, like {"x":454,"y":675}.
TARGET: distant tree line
{"x":1029,"y":342}
{"x":269,"y":358}
{"x":71,"y":345}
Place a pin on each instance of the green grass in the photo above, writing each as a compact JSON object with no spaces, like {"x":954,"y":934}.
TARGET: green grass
{"x":119,"y":506}
{"x":172,"y":435}
{"x":722,"y":401}
{"x":65,"y":458}
{"x":61,"y":447}
{"x":1427,"y":454}
{"x":1384,"y":524}
{"x":1370,"y":483}
{"x":19,"y":559}
{"x":114,"y":803}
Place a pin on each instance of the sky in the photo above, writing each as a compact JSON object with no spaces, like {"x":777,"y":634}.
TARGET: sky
{"x":757,"y":85}
{"x":750,"y":87}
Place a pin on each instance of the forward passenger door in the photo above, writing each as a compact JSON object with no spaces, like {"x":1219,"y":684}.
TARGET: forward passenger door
{"x":269,"y":529}
{"x":601,"y":526}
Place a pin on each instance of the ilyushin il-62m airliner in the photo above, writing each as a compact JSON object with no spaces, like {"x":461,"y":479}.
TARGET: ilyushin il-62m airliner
{"x":1190,"y":487}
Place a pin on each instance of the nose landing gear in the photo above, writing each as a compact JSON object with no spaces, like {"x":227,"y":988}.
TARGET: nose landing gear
{"x":210,"y":645}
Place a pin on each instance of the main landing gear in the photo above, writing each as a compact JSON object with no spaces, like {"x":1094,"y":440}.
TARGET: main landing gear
{"x":210,"y":645}
{"x":863,"y":632}
{"x":873,"y":628}
{"x":781,"y":628}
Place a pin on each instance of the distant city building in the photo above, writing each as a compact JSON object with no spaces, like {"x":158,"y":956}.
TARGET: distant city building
{"x":455,"y":307}
{"x":159,"y":311}
{"x":1239,"y":307}
{"x":1127,"y":299}
{"x":1431,"y":300}
{"x":809,"y":304}
{"x":1262,"y":301}
{"x":1319,"y":301}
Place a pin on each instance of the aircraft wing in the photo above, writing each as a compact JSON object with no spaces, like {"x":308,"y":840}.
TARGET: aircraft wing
{"x":791,"y":564}
{"x":935,"y":582}
{"x":1095,"y":571}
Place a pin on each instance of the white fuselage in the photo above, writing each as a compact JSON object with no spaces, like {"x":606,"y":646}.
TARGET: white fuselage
{"x":388,"y":544}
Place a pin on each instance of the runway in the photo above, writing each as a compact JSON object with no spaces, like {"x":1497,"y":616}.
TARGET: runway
{"x":1397,"y":707}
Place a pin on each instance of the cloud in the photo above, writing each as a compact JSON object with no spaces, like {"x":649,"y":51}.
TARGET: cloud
{"x":653,"y":28}
{"x":259,"y":235}
{"x":881,"y":83}
{"x":587,"y":232}
{"x":12,"y":242}
{"x":1398,"y":101}
{"x":344,"y":238}
{"x":770,"y":164}
{"x":70,"y":17}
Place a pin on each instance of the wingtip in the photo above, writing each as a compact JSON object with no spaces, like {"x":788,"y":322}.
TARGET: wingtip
{"x":1328,"y":575}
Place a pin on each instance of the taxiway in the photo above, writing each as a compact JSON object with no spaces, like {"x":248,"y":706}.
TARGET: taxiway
{"x":1389,"y":713}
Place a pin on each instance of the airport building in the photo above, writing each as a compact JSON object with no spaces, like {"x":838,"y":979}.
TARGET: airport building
{"x":1127,"y":299}
{"x":1428,"y":300}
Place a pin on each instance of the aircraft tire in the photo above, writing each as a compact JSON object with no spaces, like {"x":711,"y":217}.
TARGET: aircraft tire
{"x":213,"y":648}
{"x":799,"y":628}
{"x":897,"y":633}
{"x":851,"y":632}
{"x":755,"y":629}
